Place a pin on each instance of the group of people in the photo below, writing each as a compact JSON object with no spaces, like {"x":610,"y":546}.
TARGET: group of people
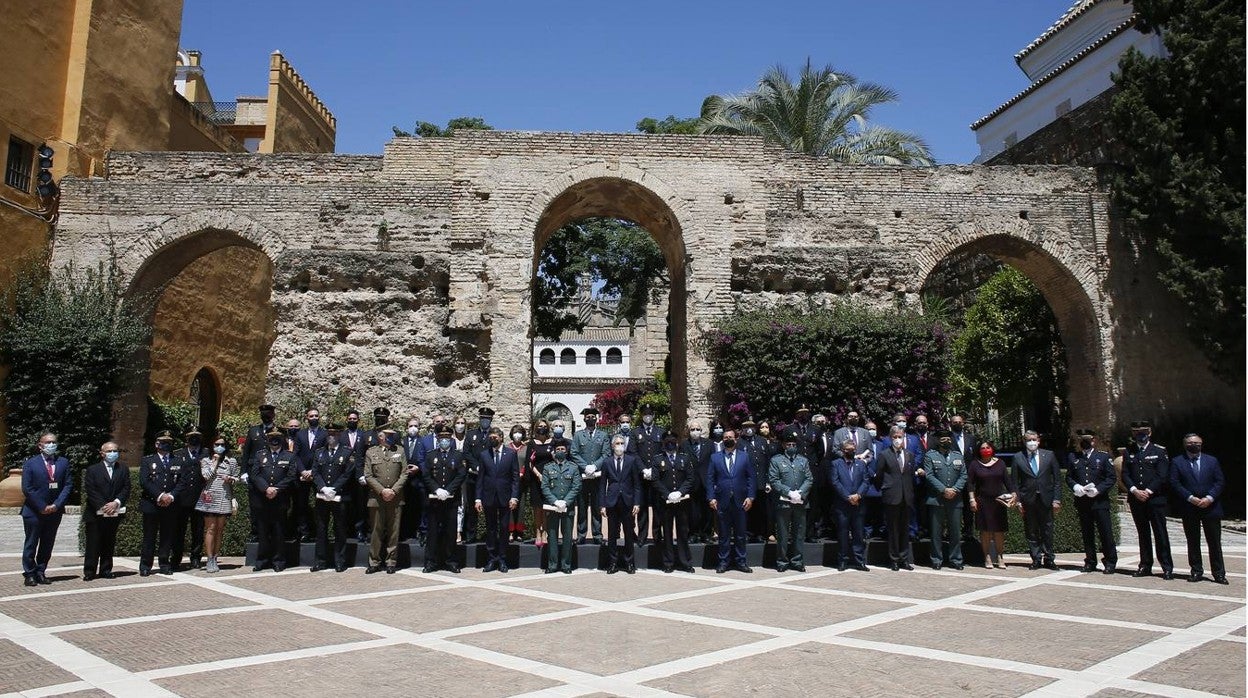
{"x":730,"y":486}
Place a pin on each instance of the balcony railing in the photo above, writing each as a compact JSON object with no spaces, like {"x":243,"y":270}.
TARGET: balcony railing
{"x":218,"y":112}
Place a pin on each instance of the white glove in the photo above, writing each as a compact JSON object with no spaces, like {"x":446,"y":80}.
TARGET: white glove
{"x":561,"y":505}
{"x":331,"y":493}
{"x":443,"y":494}
{"x":646,"y":473}
{"x":244,"y":478}
{"x":1078,"y":490}
{"x":591,"y":469}
{"x":363,"y":481}
{"x":327,"y":491}
{"x":673,"y":497}
{"x":1090,"y":491}
{"x":795,"y":496}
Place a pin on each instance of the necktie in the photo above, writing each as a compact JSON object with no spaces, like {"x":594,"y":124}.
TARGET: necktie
{"x":1035,"y":465}
{"x":1196,"y":466}
{"x":728,"y":461}
{"x":109,"y":468}
{"x":854,"y":435}
{"x":497,"y":455}
{"x":923,"y":441}
{"x":619,"y":465}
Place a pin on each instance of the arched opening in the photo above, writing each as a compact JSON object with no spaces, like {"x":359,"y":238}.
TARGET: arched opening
{"x":205,"y":393}
{"x":547,"y":357}
{"x":626,"y":200}
{"x":567,"y":357}
{"x":209,"y":295}
{"x":593,"y":356}
{"x":555,"y":411}
{"x":962,"y":271}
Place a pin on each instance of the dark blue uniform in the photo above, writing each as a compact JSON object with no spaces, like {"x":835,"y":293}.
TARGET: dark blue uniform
{"x":1148,"y":469}
{"x":278,"y":470}
{"x":334,"y":469}
{"x":443,"y":470}
{"x":159,"y":475}
{"x":1094,"y":468}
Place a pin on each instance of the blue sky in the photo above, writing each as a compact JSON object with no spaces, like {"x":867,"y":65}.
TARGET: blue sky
{"x":601,"y":66}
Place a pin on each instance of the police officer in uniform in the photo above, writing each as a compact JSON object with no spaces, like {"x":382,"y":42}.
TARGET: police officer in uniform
{"x":1146,"y":475}
{"x":443,"y":476}
{"x":673,"y":482}
{"x":273,"y":474}
{"x":187,"y":516}
{"x":333,"y":469}
{"x":162,"y":479}
{"x":475,"y":442}
{"x":561,"y":482}
{"x":648,"y":441}
{"x":256,"y":441}
{"x":1091,"y":477}
{"x":385,"y":472}
{"x":589,"y":445}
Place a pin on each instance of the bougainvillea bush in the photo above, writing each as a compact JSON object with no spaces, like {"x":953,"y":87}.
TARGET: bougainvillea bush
{"x":769,"y":362}
{"x":613,"y":402}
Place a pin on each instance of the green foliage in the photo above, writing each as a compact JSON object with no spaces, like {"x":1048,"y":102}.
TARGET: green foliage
{"x":1067,"y":537}
{"x":660,"y":399}
{"x":1180,"y":122}
{"x":670,"y":125}
{"x":293,"y":400}
{"x":620,"y":254}
{"x":769,"y":362}
{"x":1009,"y":353}
{"x":424,"y":129}
{"x":824,"y":113}
{"x":175,"y":415}
{"x":68,"y":344}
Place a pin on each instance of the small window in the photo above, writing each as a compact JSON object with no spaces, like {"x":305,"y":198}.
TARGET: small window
{"x":546,"y":357}
{"x":615,"y":356}
{"x":20,"y":160}
{"x":593,"y":356}
{"x":567,"y":356}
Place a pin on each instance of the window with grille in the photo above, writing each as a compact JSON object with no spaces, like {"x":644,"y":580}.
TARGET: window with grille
{"x":615,"y":356}
{"x":19,"y":163}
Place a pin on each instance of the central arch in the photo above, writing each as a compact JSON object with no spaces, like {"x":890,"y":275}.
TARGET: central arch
{"x":620,"y":197}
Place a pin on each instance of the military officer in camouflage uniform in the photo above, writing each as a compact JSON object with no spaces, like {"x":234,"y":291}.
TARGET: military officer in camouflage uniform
{"x":791,"y":480}
{"x":444,"y":474}
{"x":561,"y":483}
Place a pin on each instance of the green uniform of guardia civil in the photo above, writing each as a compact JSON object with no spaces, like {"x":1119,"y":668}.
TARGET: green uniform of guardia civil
{"x":945,"y":470}
{"x":385,"y":468}
{"x":560,"y":480}
{"x":785,"y":475}
{"x":589,"y":447}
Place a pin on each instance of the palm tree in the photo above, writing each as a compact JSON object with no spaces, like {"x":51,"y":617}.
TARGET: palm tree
{"x":823,"y":114}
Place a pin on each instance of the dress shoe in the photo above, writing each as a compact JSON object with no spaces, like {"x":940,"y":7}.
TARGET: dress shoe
{"x":316,"y":568}
{"x":391,"y":569}
{"x":1087,"y":568}
{"x":1143,"y":572}
{"x":842,"y":567}
{"x":490,"y":566}
{"x":810,"y":539}
{"x":580,"y":541}
{"x":782,"y":568}
{"x":253,"y":539}
{"x":644,"y":541}
{"x":1167,"y":575}
{"x":860,"y":567}
{"x":567,"y":570}
{"x":1050,"y":565}
{"x":166,"y":571}
{"x":502,"y":567}
{"x":798,"y":568}
{"x":374,"y":569}
{"x":1195,"y":577}
{"x":1033,"y":566}
{"x":87,"y":577}
{"x":667,"y":569}
{"x":108,"y":575}
{"x":307,"y":539}
{"x":1108,"y":570}
{"x":907,"y":566}
{"x":744,"y":568}
{"x":1220,"y":579}
{"x":597,"y":540}
{"x":936,"y":566}
{"x":30,"y":582}
{"x":452,"y":568}
{"x":631,"y":569}
{"x":429,"y":569}
{"x":43,"y":579}
{"x":721,"y":569}
{"x":686,"y":568}
{"x":197,"y":564}
{"x":279,"y":568}
{"x":612,"y":569}
{"x":340,"y":568}
{"x":957,"y":566}
{"x":893,"y":566}
{"x":146,"y":573}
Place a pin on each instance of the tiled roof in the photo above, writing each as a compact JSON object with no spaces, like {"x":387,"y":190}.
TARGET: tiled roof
{"x":1056,"y":71}
{"x":1069,"y":16}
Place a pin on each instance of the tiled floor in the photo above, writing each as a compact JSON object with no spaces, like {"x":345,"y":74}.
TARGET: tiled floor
{"x":979,"y":632}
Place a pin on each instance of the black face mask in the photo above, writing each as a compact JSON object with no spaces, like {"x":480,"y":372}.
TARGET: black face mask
{"x":194,"y":442}
{"x":292,"y":433}
{"x":669,"y":445}
{"x":276,"y":441}
{"x":729,"y":443}
{"x":543,"y":430}
{"x":847,"y":455}
{"x":1193,"y":449}
{"x":314,"y":423}
{"x":1085,"y":444}
{"x":921,"y":428}
{"x":353,"y":424}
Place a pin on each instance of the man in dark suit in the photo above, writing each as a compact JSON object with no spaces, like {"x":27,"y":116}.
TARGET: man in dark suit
{"x":273,"y":474}
{"x":646,"y":439}
{"x":186,"y":516}
{"x":619,"y":494}
{"x":1039,"y":480}
{"x":1196,"y":477}
{"x":820,"y":513}
{"x":673,"y":487}
{"x":356,"y":439}
{"x":333,"y":468}
{"x":107,"y":486}
{"x":46,"y":485}
{"x":730,"y":487}
{"x":413,"y":500}
{"x":497,"y":495}
{"x":698,"y":451}
{"x":255,"y":443}
{"x":162,"y":480}
{"x":851,"y":477}
{"x":476,"y":442}
{"x":308,"y":441}
{"x":894,"y":476}
{"x":1146,"y":475}
{"x":1091,"y":477}
{"x":444,"y":475}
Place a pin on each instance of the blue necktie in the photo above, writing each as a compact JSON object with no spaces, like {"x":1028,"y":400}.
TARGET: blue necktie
{"x":1035,"y":466}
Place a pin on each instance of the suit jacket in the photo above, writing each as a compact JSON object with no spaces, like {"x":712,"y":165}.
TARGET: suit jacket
{"x":914,"y":444}
{"x":699,"y":455}
{"x":785,"y":475}
{"x":334,"y":469}
{"x":1046,"y":486}
{"x":865,"y":445}
{"x":101,"y":490}
{"x":39,"y":489}
{"x":305,"y":453}
{"x":1187,"y":483}
{"x":622,"y":486}
{"x":730,"y":489}
{"x":498,"y":483}
{"x":188,"y":461}
{"x":969,"y":442}
{"x":1147,"y":468}
{"x":157,"y":477}
{"x":848,"y":478}
{"x":894,"y":476}
{"x":414,"y":450}
{"x":385,"y":469}
{"x":1095,"y":469}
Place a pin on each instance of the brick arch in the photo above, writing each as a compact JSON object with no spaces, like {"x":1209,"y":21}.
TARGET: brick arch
{"x":1067,"y":276}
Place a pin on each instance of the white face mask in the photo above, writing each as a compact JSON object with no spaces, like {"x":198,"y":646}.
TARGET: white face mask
{"x":871,"y":432}
{"x":517,"y":437}
{"x":897,"y":441}
{"x":1032,"y":445}
{"x":412,"y":431}
{"x":619,"y":449}
{"x":218,"y":450}
{"x":647,"y":418}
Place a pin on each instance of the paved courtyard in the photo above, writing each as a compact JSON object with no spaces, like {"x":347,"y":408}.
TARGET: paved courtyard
{"x":978,"y":632}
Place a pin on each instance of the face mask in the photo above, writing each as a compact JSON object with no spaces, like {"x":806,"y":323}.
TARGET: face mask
{"x":790,"y":451}
{"x":111,"y":457}
{"x":49,"y":449}
{"x":392,"y":439}
{"x":944,"y":445}
{"x":218,"y":449}
{"x":517,"y":437}
{"x":625,"y":428}
{"x":543,"y":430}
{"x":163,"y":445}
{"x":717,"y":432}
{"x":986,"y":453}
{"x":956,"y":428}
{"x":558,"y":431}
{"x":412,"y":431}
{"x":921,"y":428}
{"x":560,"y":455}
{"x":646,"y":418}
{"x":847,"y":455}
{"x":669,"y":445}
{"x":897,"y":442}
{"x":485,"y":423}
{"x":871,"y":432}
{"x":1193,"y":448}
{"x":618,"y":449}
{"x":853,"y":421}
{"x":444,"y":444}
{"x":591,"y":422}
{"x":1085,"y":443}
{"x":331,"y":442}
{"x":460,"y":427}
{"x":292,"y":432}
{"x":764,"y":430}
{"x":353,"y":424}
{"x":1033,"y":445}
{"x":695,"y":433}
{"x":495,"y":442}
{"x":194,"y":442}
{"x":729,"y":443}
{"x":901,"y":424}
{"x":1142,"y":437}
{"x":267,"y":417}
{"x":749,"y":433}
{"x":276,"y":441}
{"x":314,"y":422}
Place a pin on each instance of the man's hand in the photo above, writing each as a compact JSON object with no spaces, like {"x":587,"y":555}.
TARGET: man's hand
{"x":271,"y":492}
{"x":749,"y":502}
{"x":950,"y":493}
{"x":974,"y":504}
{"x":1079,"y":490}
{"x":49,"y":509}
{"x":305,"y":475}
{"x":855,"y":498}
{"x":110,"y":508}
{"x":1057,"y":506}
{"x":512,"y":504}
{"x":411,"y":469}
{"x":602,"y":511}
{"x":387,"y":494}
{"x":636,"y":509}
{"x":442,"y":494}
{"x":363,"y":480}
{"x":714,"y":505}
{"x":164,"y":500}
{"x":480,"y":508}
{"x":920,"y":472}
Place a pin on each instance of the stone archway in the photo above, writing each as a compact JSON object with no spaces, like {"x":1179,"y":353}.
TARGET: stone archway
{"x":619,"y":197}
{"x":1067,"y":278}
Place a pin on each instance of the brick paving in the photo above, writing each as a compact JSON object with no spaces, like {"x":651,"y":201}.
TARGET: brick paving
{"x":980,"y":632}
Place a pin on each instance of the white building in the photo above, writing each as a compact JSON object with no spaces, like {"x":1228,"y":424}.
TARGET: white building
{"x":1068,"y":65}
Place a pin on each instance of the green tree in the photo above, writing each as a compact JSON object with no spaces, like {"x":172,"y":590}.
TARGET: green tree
{"x":670,"y":125}
{"x":1180,"y":122}
{"x":824,"y":113}
{"x":1009,"y":353}
{"x":425,"y":129}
